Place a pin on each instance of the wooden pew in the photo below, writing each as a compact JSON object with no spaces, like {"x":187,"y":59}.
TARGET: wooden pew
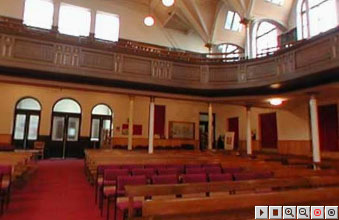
{"x":185,"y":208}
{"x":229,"y":187}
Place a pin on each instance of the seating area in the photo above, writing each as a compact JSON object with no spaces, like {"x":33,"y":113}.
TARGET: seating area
{"x":125,"y":182}
{"x":13,"y":167}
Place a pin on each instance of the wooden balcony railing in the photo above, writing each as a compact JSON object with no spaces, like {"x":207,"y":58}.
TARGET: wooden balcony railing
{"x":127,"y":61}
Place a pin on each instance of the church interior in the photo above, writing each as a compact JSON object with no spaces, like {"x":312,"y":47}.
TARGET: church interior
{"x":169,"y":109}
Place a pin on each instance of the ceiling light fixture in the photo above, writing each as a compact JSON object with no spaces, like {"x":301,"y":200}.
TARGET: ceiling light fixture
{"x":149,"y":21}
{"x":168,"y":3}
{"x":276,"y":101}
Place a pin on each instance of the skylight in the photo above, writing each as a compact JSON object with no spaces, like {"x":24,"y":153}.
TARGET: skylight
{"x":233,"y":21}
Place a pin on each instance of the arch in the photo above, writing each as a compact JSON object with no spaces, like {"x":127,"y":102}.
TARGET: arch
{"x":268,"y":30}
{"x":102,"y":109}
{"x":28,"y":103}
{"x":67,"y":105}
{"x":314,"y":17}
{"x":233,"y":50}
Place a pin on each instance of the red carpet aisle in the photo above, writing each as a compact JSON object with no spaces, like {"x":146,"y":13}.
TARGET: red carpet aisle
{"x":58,"y":191}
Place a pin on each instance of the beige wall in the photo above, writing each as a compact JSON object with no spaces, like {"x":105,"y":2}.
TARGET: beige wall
{"x":292,"y":124}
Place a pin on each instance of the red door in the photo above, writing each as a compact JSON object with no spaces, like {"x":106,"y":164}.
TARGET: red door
{"x":268,"y":128}
{"x":233,"y":126}
{"x":328,"y":127}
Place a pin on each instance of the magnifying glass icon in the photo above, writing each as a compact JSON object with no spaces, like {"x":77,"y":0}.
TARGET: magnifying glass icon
{"x":288,"y":211}
{"x":302,"y":211}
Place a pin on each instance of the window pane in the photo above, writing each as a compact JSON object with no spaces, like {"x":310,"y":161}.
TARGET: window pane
{"x":236,"y":23}
{"x":28,"y":104}
{"x":73,"y":129}
{"x":229,"y":20}
{"x":95,"y":131}
{"x":38,"y":13}
{"x":107,"y":26}
{"x":74,"y":20}
{"x":67,"y":105}
{"x":106,"y":124}
{"x":58,"y":128}
{"x":19,"y":131}
{"x":101,"y":110}
{"x":33,"y":127}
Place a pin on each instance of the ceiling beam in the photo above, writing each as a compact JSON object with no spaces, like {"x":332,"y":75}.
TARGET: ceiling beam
{"x":218,"y":10}
{"x":236,"y":6}
{"x":250,"y":9}
{"x":195,"y":25}
{"x":201,"y":19}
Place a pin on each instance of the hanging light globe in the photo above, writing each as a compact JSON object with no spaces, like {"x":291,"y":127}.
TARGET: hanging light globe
{"x":168,"y":3}
{"x":149,"y":21}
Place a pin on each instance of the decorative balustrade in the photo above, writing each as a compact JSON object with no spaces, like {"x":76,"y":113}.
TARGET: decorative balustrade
{"x":43,"y":51}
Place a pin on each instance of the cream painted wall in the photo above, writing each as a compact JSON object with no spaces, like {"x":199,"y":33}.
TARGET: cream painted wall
{"x":293,"y":123}
{"x":272,"y":11}
{"x":131,"y":22}
{"x":222,"y":35}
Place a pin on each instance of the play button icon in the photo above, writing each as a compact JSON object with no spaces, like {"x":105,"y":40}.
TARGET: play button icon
{"x":261,"y":212}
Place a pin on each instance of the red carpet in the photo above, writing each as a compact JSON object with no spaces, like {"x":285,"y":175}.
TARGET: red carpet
{"x":57,"y":191}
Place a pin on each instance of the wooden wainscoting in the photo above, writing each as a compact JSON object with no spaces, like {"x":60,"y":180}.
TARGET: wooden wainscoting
{"x":5,"y":138}
{"x":295,"y":147}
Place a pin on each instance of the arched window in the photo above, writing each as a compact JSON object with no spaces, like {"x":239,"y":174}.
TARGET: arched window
{"x":65,"y":128}
{"x":26,"y":122}
{"x":101,"y":122}
{"x":232,"y":51}
{"x":266,"y":38}
{"x":315,"y":16}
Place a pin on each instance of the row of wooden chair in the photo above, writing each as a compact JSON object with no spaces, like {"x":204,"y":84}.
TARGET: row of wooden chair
{"x":114,"y":180}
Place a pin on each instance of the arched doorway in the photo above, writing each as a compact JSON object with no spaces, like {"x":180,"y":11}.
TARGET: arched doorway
{"x":66,"y":119}
{"x":101,"y":123}
{"x":26,"y":123}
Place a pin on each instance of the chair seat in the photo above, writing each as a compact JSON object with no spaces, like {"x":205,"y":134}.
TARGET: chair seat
{"x":109,"y":191}
{"x":5,"y":184}
{"x":124,"y":205}
{"x":109,"y":182}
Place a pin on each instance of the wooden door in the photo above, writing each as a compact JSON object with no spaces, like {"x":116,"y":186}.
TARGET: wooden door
{"x":328,"y":127}
{"x":268,"y":128}
{"x":233,"y":126}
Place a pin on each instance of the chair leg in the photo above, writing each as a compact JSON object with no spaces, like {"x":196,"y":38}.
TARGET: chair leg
{"x":96,"y":192}
{"x":115,"y":207}
{"x":2,"y":201}
{"x":108,"y":203}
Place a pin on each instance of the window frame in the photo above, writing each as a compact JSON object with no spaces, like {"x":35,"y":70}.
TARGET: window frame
{"x":96,"y":25}
{"x":101,"y":119}
{"x":36,"y":26}
{"x":27,"y":113}
{"x":256,"y":37}
{"x":232,"y":21}
{"x":281,"y":2}
{"x":62,"y":4}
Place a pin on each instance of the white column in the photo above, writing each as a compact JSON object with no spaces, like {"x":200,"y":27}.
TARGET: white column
{"x":130,"y":123}
{"x":93,"y":19}
{"x":56,"y":15}
{"x":315,"y":130}
{"x":248,"y":131}
{"x":151,"y":126}
{"x":210,"y":126}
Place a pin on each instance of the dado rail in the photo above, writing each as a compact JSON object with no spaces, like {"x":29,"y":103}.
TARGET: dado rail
{"x":50,"y":55}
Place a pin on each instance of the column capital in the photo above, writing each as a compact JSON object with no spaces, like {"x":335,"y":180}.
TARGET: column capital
{"x":246,"y":21}
{"x":131,"y":97}
{"x":152,"y":99}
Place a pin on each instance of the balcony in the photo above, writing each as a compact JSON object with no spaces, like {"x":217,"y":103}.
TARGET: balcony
{"x":48,"y":55}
